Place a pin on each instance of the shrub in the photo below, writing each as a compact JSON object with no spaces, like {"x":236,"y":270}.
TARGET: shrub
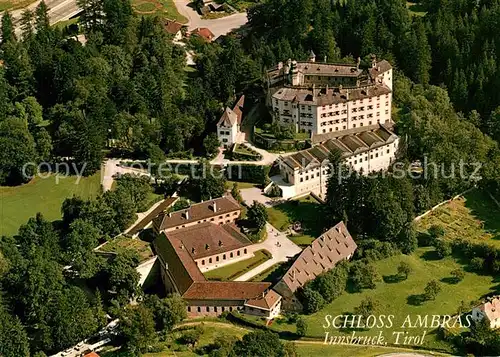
{"x":443,"y":248}
{"x":477,"y":264}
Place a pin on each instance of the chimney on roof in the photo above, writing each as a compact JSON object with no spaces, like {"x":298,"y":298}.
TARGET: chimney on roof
{"x":214,"y":206}
{"x":170,"y":214}
{"x":374,"y":60}
{"x":207,"y":247}
{"x":358,"y":63}
{"x":186,"y":214}
{"x":182,"y":246}
{"x":220,"y":243}
{"x":325,"y":58}
{"x":193,"y":250}
{"x":293,"y":274}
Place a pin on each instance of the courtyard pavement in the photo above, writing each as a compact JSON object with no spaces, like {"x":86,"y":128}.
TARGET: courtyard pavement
{"x":218,"y":26}
{"x":255,"y":194}
{"x":278,"y":245}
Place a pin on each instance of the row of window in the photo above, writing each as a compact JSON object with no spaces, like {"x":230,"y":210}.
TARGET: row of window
{"x":214,"y":308}
{"x":355,"y":161}
{"x":361,"y":101}
{"x":222,"y":132}
{"x":224,"y":257}
{"x":213,"y":219}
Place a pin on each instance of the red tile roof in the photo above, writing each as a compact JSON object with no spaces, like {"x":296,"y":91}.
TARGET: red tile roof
{"x":491,"y":308}
{"x":322,"y":255}
{"x":200,"y":211}
{"x":267,"y":302}
{"x":238,"y":108}
{"x":225,"y":290}
{"x":204,"y":32}
{"x":173,"y":27}
{"x":207,"y":239}
{"x":91,"y":354}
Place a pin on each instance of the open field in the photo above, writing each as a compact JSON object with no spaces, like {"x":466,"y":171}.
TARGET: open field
{"x":415,"y":8}
{"x":122,"y":243}
{"x":162,"y":8}
{"x":320,"y":350}
{"x":19,"y":203}
{"x":404,"y":298}
{"x":232,"y":271}
{"x":475,"y":216}
{"x":304,"y":210}
{"x":14,"y":4}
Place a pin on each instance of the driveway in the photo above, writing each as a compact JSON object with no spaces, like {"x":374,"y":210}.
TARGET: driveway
{"x":255,"y":194}
{"x":218,"y":26}
{"x":282,"y":253}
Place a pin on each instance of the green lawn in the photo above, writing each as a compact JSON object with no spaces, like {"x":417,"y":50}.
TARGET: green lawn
{"x":317,"y":350}
{"x":475,"y":216}
{"x":241,"y":185}
{"x":415,"y":8}
{"x":162,"y":8}
{"x":62,"y":24}
{"x":305,"y":210}
{"x":232,"y":271}
{"x":402,"y":298}
{"x":19,"y":203}
{"x":14,"y":4}
{"x":122,"y":243}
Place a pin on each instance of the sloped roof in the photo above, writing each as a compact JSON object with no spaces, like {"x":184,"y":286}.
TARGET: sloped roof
{"x":181,"y":266}
{"x":225,"y":290}
{"x":172,"y":27}
{"x":322,"y":255}
{"x":200,"y":211}
{"x":190,"y":281}
{"x":207,"y":239}
{"x":491,"y":308}
{"x":232,"y":116}
{"x":329,"y":96}
{"x":204,"y":32}
{"x":349,"y":142}
{"x":238,"y":108}
{"x":228,"y":118}
{"x":267,"y":302}
{"x":380,"y":67}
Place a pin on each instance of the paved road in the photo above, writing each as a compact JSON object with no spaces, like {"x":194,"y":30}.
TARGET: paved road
{"x":282,"y":253}
{"x":59,"y":10}
{"x":218,"y":26}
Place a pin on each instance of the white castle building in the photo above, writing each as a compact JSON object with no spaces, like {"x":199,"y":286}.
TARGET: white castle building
{"x":344,"y":108}
{"x":321,"y":98}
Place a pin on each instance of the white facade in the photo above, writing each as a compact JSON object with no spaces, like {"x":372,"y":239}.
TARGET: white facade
{"x":319,"y":98}
{"x":227,"y":134}
{"x":316,"y":118}
{"x":306,"y":173}
{"x":490,"y":311}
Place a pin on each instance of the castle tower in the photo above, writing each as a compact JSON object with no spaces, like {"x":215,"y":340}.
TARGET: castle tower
{"x":312,"y":56}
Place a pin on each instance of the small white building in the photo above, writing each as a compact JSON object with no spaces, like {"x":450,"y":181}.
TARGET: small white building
{"x":228,"y":127}
{"x":489,"y":310}
{"x":269,"y":306}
